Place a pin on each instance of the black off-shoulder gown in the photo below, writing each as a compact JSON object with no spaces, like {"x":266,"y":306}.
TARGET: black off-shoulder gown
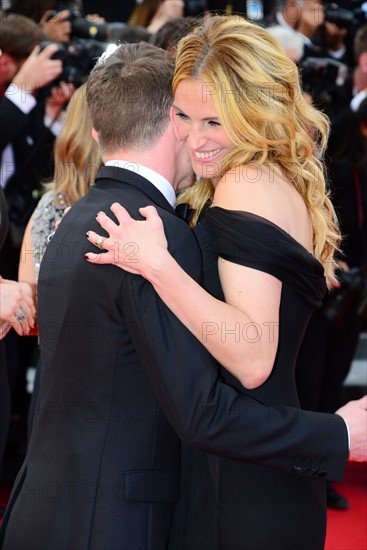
{"x":230,"y":505}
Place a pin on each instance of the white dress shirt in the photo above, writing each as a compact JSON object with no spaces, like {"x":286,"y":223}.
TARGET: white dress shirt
{"x":159,"y":181}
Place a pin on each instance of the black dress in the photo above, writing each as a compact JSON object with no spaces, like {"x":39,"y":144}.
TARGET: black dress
{"x":4,"y":384}
{"x":232,"y":505}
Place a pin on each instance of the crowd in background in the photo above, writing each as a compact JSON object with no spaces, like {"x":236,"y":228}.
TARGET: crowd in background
{"x":42,"y":141}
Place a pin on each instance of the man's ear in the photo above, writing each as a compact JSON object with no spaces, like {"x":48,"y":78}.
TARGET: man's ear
{"x":363,"y":129}
{"x":362,"y":61}
{"x":95,"y":135}
{"x":8,"y":67}
{"x":173,"y":120}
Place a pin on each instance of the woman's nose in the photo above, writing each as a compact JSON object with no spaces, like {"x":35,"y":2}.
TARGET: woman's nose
{"x":195,"y":138}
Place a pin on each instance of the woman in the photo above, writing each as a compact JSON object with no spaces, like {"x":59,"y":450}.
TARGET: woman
{"x":239,"y":107}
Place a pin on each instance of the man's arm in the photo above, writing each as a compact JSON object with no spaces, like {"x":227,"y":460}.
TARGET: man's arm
{"x":37,"y":71}
{"x":212,"y":415}
{"x":12,"y":120}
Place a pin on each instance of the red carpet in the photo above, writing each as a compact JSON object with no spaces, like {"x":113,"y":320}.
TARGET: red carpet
{"x":347,"y":530}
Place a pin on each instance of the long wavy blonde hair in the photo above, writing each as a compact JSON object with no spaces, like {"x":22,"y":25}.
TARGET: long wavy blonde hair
{"x":77,"y":155}
{"x":260,"y":105}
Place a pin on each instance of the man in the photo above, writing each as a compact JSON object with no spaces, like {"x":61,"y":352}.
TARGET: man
{"x":16,"y":311}
{"x":26,"y":141}
{"x":23,"y":70}
{"x":103,"y":465}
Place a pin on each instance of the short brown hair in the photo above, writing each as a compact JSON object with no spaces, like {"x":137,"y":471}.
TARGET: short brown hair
{"x":129,"y":95}
{"x":34,"y":9}
{"x":19,"y":35}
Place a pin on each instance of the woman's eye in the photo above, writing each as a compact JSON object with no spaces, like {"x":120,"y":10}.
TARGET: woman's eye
{"x":214,"y":123}
{"x":181,"y":116}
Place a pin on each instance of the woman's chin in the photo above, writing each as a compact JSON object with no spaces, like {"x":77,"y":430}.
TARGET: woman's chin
{"x":206,"y":170}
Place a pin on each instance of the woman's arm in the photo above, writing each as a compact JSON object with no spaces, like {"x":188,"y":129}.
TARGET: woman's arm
{"x":26,"y":269}
{"x":241,"y":334}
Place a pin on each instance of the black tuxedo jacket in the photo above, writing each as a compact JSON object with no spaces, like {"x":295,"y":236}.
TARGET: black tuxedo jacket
{"x":122,"y":384}
{"x":32,"y":145}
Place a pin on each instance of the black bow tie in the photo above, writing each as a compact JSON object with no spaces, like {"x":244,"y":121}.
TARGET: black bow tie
{"x":184,"y":211}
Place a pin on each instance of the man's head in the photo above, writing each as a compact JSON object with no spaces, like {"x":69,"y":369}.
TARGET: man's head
{"x":360,"y":52}
{"x":18,"y":36}
{"x":129,"y":95}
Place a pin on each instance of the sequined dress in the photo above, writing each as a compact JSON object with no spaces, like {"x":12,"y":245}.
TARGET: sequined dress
{"x":47,"y":212}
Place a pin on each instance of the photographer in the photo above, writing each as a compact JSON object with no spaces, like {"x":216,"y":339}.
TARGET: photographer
{"x":28,"y":119}
{"x":28,"y":126}
{"x":57,"y":26}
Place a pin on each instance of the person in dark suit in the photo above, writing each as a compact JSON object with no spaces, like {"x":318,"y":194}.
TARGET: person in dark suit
{"x":15,"y":301}
{"x":103,"y":464}
{"x":17,"y":311}
{"x":28,"y":127}
{"x":26,"y":139}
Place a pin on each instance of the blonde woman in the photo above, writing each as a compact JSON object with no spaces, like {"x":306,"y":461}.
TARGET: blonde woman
{"x":77,"y":160}
{"x":262,"y":207}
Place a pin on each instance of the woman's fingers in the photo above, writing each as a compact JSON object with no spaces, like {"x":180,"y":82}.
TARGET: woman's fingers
{"x":115,"y":253}
{"x":152,"y":216}
{"x":21,"y":319}
{"x":17,"y":307}
{"x":131,"y":244}
{"x":102,"y":259}
{"x":4,"y":329}
{"x":106,"y":223}
{"x":101,"y":242}
{"x":28,"y":303}
{"x":120,"y":212}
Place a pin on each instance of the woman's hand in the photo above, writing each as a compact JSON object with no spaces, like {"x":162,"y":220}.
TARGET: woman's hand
{"x":136,"y":246}
{"x":17,"y":307}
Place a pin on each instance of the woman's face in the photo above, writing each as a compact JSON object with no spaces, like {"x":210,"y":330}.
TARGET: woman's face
{"x":197,"y":123}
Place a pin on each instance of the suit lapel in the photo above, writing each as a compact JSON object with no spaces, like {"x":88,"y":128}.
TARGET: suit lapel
{"x":112,"y":177}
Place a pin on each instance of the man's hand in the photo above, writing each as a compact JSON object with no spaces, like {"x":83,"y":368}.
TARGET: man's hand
{"x":355,"y":415}
{"x":312,"y":17}
{"x":38,"y":69}
{"x":168,"y":10}
{"x":57,"y":28}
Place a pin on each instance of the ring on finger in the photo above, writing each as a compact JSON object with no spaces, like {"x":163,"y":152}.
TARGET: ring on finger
{"x":100,"y":242}
{"x":21,"y":317}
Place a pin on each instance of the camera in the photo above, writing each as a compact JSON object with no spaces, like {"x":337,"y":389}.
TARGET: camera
{"x":350,"y":298}
{"x":82,"y":28}
{"x":78,"y":59}
{"x":345,"y":19}
{"x":322,"y":77}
